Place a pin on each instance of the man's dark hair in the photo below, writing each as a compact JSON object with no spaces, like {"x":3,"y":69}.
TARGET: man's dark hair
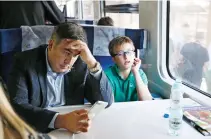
{"x":118,"y":41}
{"x":106,"y":21}
{"x":69,"y":30}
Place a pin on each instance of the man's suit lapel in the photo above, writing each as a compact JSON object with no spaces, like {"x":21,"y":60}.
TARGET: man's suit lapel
{"x":73,"y":84}
{"x":67,"y":87}
{"x":41,"y":73}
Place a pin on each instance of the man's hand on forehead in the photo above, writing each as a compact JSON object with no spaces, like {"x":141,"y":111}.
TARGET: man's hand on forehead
{"x":76,"y":44}
{"x":80,"y":48}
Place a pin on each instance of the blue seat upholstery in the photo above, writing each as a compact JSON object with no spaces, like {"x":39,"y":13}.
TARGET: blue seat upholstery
{"x":10,"y":43}
{"x":138,"y":36}
{"x":105,"y":61}
{"x":11,"y":39}
{"x":80,"y":21}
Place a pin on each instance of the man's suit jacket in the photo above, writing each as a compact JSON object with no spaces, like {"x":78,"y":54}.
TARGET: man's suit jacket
{"x":27,"y":87}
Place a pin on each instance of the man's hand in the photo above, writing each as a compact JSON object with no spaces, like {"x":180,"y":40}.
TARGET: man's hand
{"x":82,"y":49}
{"x":136,"y":65}
{"x":76,"y":121}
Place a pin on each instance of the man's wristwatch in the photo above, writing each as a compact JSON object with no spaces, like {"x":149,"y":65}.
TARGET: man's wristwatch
{"x":96,"y":68}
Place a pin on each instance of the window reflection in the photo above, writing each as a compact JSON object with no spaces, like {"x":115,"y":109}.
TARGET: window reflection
{"x":190,"y":42}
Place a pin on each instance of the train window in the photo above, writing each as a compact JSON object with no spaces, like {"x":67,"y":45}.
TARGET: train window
{"x":123,"y":10}
{"x":70,"y":7}
{"x":130,"y":20}
{"x":88,"y":9}
{"x":115,"y":2}
{"x":60,"y":4}
{"x":190,"y":43}
{"x":76,"y":9}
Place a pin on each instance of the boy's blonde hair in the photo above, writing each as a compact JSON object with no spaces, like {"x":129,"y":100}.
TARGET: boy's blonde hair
{"x":118,"y":41}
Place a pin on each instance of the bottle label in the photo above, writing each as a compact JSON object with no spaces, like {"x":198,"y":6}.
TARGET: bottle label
{"x":175,"y":123}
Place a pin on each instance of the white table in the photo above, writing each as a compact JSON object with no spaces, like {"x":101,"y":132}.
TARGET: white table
{"x":131,"y":120}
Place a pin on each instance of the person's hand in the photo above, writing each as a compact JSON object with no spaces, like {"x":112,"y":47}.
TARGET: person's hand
{"x":82,"y":49}
{"x":76,"y":121}
{"x":136,"y":65}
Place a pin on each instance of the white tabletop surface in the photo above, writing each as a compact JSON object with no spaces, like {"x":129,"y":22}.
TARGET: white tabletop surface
{"x":131,"y":120}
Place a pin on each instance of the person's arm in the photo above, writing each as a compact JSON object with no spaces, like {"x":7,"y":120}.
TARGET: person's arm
{"x":44,"y":136}
{"x":205,"y":60}
{"x":97,"y":86}
{"x":52,"y":12}
{"x":112,"y":84}
{"x":141,"y":88}
{"x":205,"y":67}
{"x":18,"y":87}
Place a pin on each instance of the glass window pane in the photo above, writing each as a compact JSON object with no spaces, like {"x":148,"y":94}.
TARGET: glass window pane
{"x":114,"y":2}
{"x":131,"y":20}
{"x":60,"y":4}
{"x":88,"y":10}
{"x":190,"y":42}
{"x":71,"y":5}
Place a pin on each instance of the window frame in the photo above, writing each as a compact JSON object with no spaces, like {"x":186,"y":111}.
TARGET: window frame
{"x":121,"y":8}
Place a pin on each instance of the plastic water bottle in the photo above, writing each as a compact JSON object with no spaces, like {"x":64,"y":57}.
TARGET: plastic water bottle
{"x":175,"y":111}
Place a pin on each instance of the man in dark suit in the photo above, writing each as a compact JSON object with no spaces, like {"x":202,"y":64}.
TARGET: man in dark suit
{"x":63,"y":73}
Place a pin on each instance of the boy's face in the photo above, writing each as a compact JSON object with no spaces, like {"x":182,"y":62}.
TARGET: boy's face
{"x":124,"y":56}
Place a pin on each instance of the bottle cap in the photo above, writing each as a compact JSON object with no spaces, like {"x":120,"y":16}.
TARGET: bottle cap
{"x":166,"y":115}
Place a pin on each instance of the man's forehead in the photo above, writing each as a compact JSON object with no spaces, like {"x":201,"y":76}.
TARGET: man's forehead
{"x":65,"y":43}
{"x":68,"y":40}
{"x":70,"y":45}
